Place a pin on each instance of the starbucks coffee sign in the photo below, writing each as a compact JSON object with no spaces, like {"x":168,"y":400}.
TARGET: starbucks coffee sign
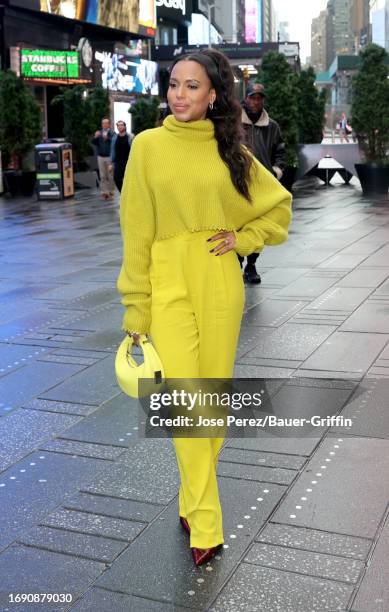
{"x":43,"y":64}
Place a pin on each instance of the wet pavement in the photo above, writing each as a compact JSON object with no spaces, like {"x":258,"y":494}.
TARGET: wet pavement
{"x":89,"y":508}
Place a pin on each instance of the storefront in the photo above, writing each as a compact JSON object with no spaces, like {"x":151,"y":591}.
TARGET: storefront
{"x":56,"y":43}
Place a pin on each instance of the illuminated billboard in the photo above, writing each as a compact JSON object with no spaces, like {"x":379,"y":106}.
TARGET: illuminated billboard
{"x":43,"y":64}
{"x":138,"y":16}
{"x":122,"y":73}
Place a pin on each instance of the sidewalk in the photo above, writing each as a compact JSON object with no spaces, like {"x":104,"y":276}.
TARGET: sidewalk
{"x":89,"y":509}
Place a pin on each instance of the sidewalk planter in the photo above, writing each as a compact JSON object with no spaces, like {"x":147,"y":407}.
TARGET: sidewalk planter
{"x":20,"y":183}
{"x":374,"y":178}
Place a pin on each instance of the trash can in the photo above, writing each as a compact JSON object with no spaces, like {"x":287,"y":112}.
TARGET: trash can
{"x":54,"y":170}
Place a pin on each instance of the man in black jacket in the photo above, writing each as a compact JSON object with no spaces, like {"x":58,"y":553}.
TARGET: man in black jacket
{"x":263,"y":137}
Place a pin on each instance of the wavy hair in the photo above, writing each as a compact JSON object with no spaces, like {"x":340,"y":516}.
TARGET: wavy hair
{"x":226,"y":116}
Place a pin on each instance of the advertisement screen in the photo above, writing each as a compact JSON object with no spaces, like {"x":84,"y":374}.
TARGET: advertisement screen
{"x":136,"y":16}
{"x":251,"y":21}
{"x":126,"y":74}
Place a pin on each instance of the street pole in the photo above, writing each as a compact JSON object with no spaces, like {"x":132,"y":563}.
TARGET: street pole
{"x":209,"y":25}
{"x":210,"y":6}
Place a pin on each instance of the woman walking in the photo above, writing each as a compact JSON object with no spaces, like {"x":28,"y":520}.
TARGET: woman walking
{"x":193,"y":197}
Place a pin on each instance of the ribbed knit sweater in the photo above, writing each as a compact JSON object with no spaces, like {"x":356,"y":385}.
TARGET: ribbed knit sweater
{"x":176,"y":182}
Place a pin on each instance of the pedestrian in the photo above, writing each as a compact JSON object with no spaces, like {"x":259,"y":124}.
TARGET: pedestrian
{"x":345,"y":129}
{"x":192,"y":198}
{"x":263,"y":135}
{"x":120,"y":150}
{"x":102,"y":140}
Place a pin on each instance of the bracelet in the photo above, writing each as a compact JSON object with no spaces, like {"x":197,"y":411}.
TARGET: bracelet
{"x":133,"y":333}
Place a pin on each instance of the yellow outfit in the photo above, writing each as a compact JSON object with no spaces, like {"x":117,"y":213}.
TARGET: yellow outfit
{"x":177,"y":192}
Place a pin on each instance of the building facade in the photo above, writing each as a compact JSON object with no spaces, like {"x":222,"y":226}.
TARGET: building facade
{"x":379,"y":16}
{"x":319,"y":42}
{"x":360,"y":24}
{"x":339,"y":34}
{"x":52,"y":50}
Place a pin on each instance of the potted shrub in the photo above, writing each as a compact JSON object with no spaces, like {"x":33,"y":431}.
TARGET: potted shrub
{"x":370,"y":118}
{"x":20,"y":130}
{"x":83,"y":110}
{"x":311,"y":108}
{"x":145,"y":113}
{"x":281,"y":103}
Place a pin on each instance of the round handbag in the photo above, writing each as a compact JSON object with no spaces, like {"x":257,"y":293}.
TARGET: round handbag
{"x":128,"y":372}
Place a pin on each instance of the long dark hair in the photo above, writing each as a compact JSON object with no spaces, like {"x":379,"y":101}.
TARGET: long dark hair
{"x":226,"y":116}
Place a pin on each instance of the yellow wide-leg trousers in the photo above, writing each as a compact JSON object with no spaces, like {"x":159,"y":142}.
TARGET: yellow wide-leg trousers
{"x":197,"y":306}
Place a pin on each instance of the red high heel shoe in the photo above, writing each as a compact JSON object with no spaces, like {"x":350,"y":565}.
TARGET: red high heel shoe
{"x":201,"y":555}
{"x":185,"y":524}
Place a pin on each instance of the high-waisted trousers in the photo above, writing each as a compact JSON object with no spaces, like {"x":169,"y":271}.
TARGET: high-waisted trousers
{"x":197,"y":307}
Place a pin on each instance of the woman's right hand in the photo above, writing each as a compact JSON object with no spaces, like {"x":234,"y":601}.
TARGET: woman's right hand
{"x":135,"y":338}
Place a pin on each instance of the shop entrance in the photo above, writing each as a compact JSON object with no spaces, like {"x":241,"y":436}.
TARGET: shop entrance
{"x":54,"y":113}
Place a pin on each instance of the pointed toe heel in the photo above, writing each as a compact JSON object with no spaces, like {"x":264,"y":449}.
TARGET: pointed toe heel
{"x":202,"y":555}
{"x":185,"y":524}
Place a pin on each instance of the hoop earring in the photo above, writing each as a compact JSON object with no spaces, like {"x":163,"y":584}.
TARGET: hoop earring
{"x":211,"y":105}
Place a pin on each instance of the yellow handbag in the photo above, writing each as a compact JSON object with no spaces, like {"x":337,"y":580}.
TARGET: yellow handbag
{"x":128,"y":372}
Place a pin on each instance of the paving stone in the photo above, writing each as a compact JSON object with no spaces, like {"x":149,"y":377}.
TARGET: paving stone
{"x":32,"y":570}
{"x":370,"y":317}
{"x":15,"y":355}
{"x":304,"y":562}
{"x":363,"y":277}
{"x":92,"y":386}
{"x":347,"y":352}
{"x":270,"y":443}
{"x":34,"y":379}
{"x":79,"y":352}
{"x":282,"y":276}
{"x":235,"y":455}
{"x":290,"y":341}
{"x":36,"y":484}
{"x":315,"y":540}
{"x":261,"y":474}
{"x":342,"y":260}
{"x":31,"y":322}
{"x":176,"y":578}
{"x":378,"y":259}
{"x":23,"y":430}
{"x":112,"y":506}
{"x":114,"y":423}
{"x":339,"y":299}
{"x":106,"y":339}
{"x":62,"y":407}
{"x":66,"y":359}
{"x":263,"y":589}
{"x":357,"y":504}
{"x":272,"y":313}
{"x":95,"y":524}
{"x":307,"y":287}
{"x":252,"y":371}
{"x":83,"y":449}
{"x":103,"y":317}
{"x":368,"y":411}
{"x":102,"y":600}
{"x":135,"y":475}
{"x":73,"y":543}
{"x":373,"y":593}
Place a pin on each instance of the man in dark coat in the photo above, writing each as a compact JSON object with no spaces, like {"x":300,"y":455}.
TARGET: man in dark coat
{"x":263,"y":136}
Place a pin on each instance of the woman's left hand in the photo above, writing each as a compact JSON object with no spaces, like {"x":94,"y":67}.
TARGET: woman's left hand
{"x":227,"y":243}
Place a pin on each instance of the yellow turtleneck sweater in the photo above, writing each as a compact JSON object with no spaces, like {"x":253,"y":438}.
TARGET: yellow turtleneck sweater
{"x":176,"y":182}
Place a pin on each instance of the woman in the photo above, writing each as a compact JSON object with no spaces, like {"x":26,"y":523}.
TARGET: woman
{"x":193,"y":197}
